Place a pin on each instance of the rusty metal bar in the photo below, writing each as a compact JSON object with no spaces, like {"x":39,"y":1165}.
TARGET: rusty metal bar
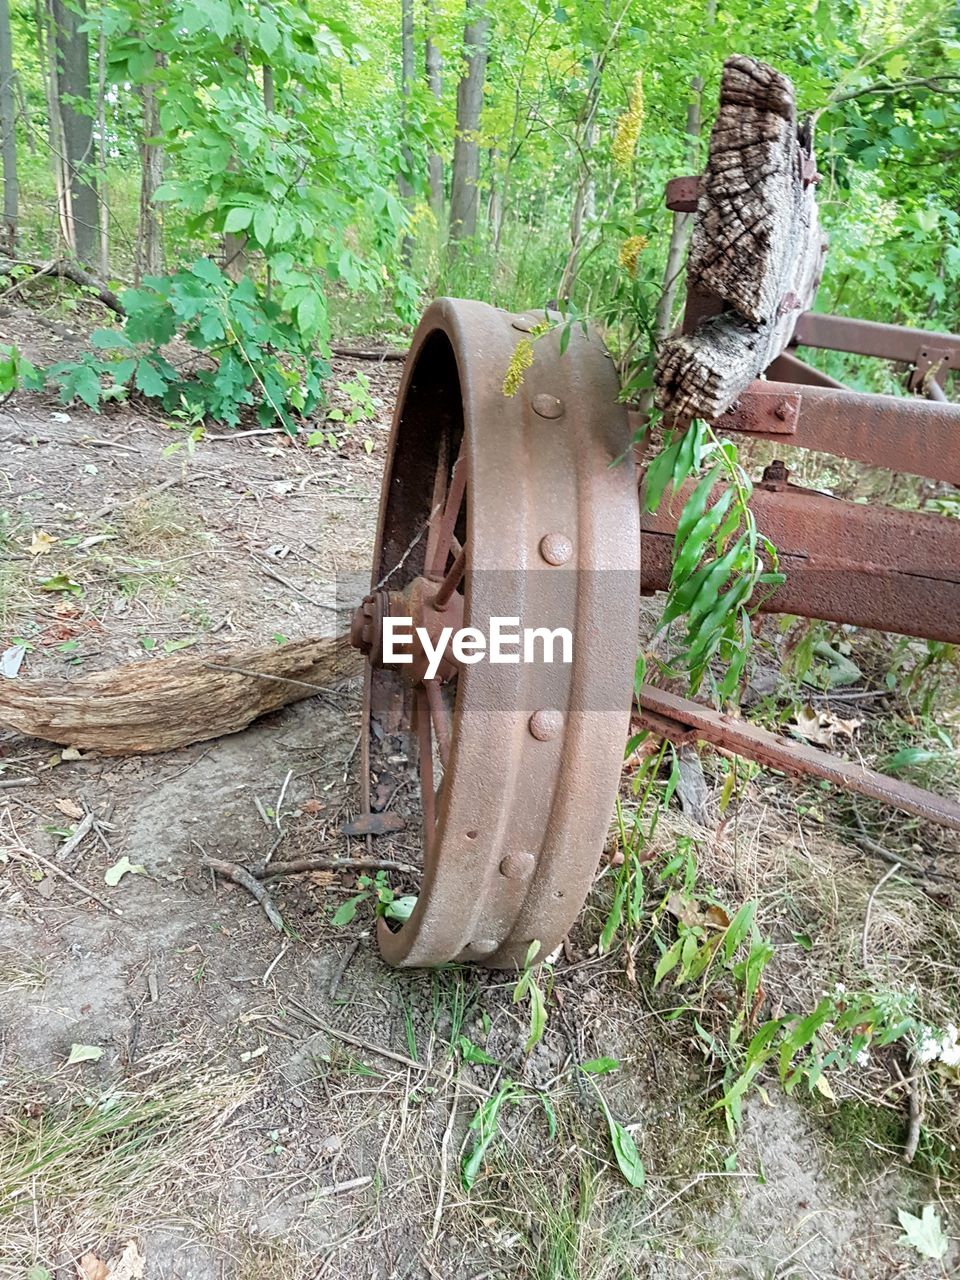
{"x":868,"y":338}
{"x":787,"y":368}
{"x":667,"y":715}
{"x":869,"y":566}
{"x":683,"y":194}
{"x":901,"y":433}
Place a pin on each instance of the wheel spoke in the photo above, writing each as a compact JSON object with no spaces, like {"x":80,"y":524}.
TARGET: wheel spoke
{"x":437,"y":502}
{"x":440,"y":717}
{"x":428,"y":797}
{"x":450,"y":583}
{"x":436,"y":564}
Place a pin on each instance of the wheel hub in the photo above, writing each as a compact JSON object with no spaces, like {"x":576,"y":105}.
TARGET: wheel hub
{"x":423,"y":605}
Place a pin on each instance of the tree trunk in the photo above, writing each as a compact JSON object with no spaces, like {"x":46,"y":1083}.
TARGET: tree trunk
{"x":464,"y":194}
{"x":407,"y":70}
{"x":434,"y":66}
{"x":269,"y":93}
{"x":8,"y":129}
{"x":46,"y":46}
{"x":149,"y":259}
{"x":102,"y":152}
{"x":72,"y":103}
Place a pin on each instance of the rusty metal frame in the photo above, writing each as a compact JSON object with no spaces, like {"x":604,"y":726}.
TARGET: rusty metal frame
{"x":900,"y":433}
{"x":869,"y":566}
{"x":669,"y":716}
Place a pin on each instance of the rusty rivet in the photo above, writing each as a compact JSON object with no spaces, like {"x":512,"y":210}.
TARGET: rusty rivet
{"x":546,"y":723}
{"x":547,"y":406}
{"x":556,"y":548}
{"x":781,"y":410}
{"x":524,"y":324}
{"x":484,"y":946}
{"x":517,"y":866}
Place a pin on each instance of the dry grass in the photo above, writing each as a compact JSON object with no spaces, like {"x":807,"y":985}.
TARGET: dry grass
{"x":119,"y":1157}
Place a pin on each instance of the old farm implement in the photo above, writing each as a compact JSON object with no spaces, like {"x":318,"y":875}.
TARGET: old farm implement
{"x":527,"y":507}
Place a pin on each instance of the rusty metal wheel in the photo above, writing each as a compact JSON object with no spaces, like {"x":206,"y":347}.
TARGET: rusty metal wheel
{"x":523,"y":508}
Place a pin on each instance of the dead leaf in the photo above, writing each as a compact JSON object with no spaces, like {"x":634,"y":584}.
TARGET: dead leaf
{"x":130,"y":1264}
{"x":689,"y":912}
{"x":69,"y":807}
{"x":41,"y":543}
{"x":11,"y":660}
{"x":90,"y":1267}
{"x":312,"y":806}
{"x":822,"y":727}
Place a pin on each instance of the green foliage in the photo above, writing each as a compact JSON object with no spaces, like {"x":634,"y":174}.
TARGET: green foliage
{"x":262,"y":358}
{"x":16,"y":372}
{"x":528,"y":986}
{"x":719,"y":557}
{"x":377,"y":889}
{"x":723,"y":956}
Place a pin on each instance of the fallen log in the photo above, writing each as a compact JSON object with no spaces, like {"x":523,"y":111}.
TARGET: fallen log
{"x":65,"y":269}
{"x":162,"y":704}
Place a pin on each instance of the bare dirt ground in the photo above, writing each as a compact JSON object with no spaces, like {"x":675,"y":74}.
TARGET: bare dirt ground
{"x":267,"y":1105}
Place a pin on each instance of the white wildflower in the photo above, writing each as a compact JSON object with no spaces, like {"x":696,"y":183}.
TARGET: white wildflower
{"x":929,"y":1048}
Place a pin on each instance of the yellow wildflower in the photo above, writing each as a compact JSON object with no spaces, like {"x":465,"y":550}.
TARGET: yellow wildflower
{"x":629,"y":126}
{"x":630,"y":252}
{"x":520,"y":361}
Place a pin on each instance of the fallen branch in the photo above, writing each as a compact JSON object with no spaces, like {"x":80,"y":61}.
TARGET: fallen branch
{"x":230,"y":871}
{"x":64,"y":875}
{"x":267,"y":871}
{"x":65,"y":269}
{"x":351,"y":354}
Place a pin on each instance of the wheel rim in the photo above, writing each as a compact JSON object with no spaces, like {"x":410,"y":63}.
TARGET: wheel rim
{"x":547,"y":531}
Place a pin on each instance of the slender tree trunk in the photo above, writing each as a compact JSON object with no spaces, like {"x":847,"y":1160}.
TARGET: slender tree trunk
{"x":8,"y":129}
{"x":73,"y":107}
{"x":407,"y":71}
{"x":434,"y":69}
{"x":682,"y":225}
{"x":149,"y":260}
{"x":22,"y":107}
{"x":269,"y":93}
{"x":46,"y":46}
{"x":584,"y":201}
{"x":102,"y":153}
{"x":495,"y":199}
{"x":464,"y":193}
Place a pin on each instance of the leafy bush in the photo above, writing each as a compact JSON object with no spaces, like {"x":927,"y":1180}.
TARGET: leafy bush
{"x":262,"y":356}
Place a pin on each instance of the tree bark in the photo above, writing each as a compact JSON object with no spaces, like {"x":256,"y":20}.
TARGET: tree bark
{"x":149,"y":257}
{"x":8,"y":129}
{"x":434,"y":68}
{"x":464,"y":193}
{"x":171,"y":702}
{"x":72,"y":103}
{"x":756,"y":252}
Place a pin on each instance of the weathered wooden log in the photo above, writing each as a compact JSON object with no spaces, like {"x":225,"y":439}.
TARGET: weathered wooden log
{"x":167,"y":703}
{"x":756,"y":250}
